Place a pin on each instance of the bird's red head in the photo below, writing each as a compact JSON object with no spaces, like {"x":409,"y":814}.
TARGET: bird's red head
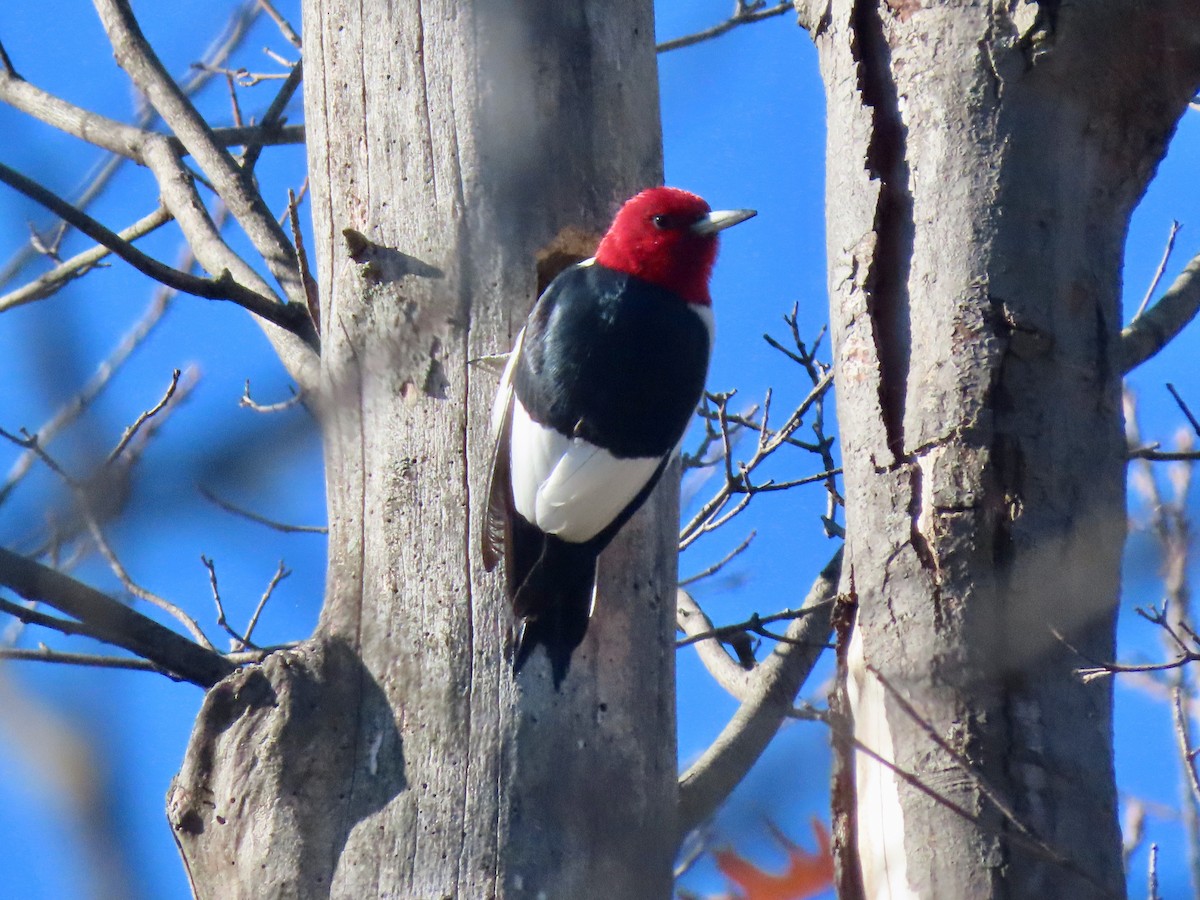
{"x":668,"y":237}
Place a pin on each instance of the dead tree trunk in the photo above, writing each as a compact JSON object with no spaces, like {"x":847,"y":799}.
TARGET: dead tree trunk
{"x":983,"y":163}
{"x":393,"y":755}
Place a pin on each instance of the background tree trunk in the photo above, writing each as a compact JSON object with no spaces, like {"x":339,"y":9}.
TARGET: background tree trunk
{"x":975,"y":264}
{"x":393,"y":755}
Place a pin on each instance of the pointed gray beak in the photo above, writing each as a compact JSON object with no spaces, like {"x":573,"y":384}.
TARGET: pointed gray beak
{"x":720,"y":219}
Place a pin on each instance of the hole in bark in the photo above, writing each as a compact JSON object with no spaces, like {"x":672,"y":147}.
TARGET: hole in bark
{"x":569,"y":246}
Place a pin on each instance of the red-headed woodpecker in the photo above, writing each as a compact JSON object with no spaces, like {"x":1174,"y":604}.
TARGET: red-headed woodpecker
{"x":592,"y":405}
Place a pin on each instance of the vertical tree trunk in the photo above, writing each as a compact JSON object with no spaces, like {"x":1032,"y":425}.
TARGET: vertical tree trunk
{"x":393,"y":755}
{"x":983,"y":163}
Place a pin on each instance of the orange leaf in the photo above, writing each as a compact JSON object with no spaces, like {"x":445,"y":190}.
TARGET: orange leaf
{"x":807,"y":873}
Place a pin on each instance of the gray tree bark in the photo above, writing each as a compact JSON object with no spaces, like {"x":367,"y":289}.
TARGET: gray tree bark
{"x":393,"y":755}
{"x":984,"y":159}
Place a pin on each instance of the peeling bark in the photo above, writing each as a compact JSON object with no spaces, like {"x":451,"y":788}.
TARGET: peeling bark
{"x":984,"y":159}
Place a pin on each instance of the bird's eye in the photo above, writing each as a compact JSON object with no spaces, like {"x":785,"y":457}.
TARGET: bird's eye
{"x":661,"y":222}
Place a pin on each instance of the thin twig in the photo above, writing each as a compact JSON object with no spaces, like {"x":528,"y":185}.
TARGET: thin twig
{"x":280,"y":574}
{"x":240,"y":77}
{"x":33,"y":617}
{"x":721,"y":563}
{"x":221,"y":288}
{"x":743,"y":14}
{"x":1146,"y":335}
{"x":1183,"y":740}
{"x":43,"y":653}
{"x":135,"y":55}
{"x":248,"y":402}
{"x":141,"y":420}
{"x":755,"y":623}
{"x":237,"y":642}
{"x":273,"y":117}
{"x":1183,"y":407}
{"x":113,"y":622}
{"x":228,"y":39}
{"x":49,"y":283}
{"x":118,"y":569}
{"x":311,"y":291}
{"x":73,"y":408}
{"x":255,"y":517}
{"x":1162,"y":267}
{"x":97,"y":661}
{"x":284,"y":26}
{"x":83,"y":502}
{"x":709,"y":517}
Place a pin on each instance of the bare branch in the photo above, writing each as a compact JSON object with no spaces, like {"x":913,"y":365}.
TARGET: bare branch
{"x":711,"y":515}
{"x":127,"y":141}
{"x":255,"y":517}
{"x":94,"y":386}
{"x":127,"y":581}
{"x":43,"y":653}
{"x":1146,"y":335}
{"x":285,"y":27}
{"x":743,"y":14}
{"x":1153,"y":454}
{"x":180,"y":196}
{"x":312,"y":294}
{"x":267,"y":133}
{"x":240,"y":77}
{"x":135,"y":55}
{"x":113,"y":622}
{"x":100,"y":379}
{"x":231,"y":36}
{"x":1168,"y":248}
{"x":51,"y":282}
{"x":248,"y":402}
{"x":221,"y":288}
{"x":724,"y":669}
{"x":1183,"y":407}
{"x":97,"y":661}
{"x":273,"y":117}
{"x":280,"y":574}
{"x":82,"y":495}
{"x":32,"y":616}
{"x":721,"y":563}
{"x":101,"y":131}
{"x":756,"y":624}
{"x":770,"y":692}
{"x":237,"y":641}
{"x":1183,"y":738}
{"x":141,"y":420}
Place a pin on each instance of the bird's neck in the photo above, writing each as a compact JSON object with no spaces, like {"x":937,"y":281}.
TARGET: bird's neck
{"x":685,"y":272}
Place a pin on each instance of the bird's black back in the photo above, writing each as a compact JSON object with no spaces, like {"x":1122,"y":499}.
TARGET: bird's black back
{"x":614,"y":360}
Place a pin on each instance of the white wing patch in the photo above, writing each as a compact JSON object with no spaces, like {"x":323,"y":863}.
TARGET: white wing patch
{"x":566,"y":486}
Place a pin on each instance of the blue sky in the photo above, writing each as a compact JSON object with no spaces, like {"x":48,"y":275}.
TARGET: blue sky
{"x":743,"y":126}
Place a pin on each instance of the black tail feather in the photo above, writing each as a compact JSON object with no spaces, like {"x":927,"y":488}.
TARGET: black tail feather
{"x":552,"y":584}
{"x":553,"y":604}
